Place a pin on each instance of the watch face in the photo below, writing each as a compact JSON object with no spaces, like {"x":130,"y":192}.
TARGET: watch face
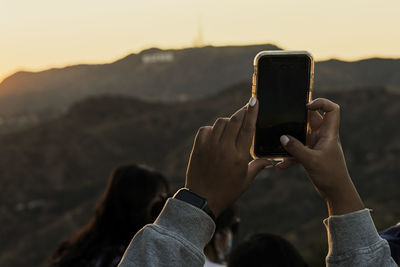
{"x":192,"y":198}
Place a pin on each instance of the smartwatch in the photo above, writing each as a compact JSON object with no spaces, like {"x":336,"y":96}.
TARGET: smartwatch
{"x":188,"y":196}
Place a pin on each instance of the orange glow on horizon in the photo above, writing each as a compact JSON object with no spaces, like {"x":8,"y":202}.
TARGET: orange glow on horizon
{"x":45,"y":34}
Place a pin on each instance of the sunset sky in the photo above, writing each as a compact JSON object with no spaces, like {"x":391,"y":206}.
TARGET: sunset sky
{"x":35,"y":35}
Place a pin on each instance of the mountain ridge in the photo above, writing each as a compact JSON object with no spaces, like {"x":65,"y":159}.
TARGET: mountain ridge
{"x":173,"y":75}
{"x":56,"y":170}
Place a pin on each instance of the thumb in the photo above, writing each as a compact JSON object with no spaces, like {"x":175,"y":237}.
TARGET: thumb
{"x":299,"y":151}
{"x":255,"y":166}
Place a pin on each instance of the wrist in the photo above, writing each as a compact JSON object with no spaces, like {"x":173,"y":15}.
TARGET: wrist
{"x":343,"y":200}
{"x":196,"y":200}
{"x":213,"y":207}
{"x":212,"y":203}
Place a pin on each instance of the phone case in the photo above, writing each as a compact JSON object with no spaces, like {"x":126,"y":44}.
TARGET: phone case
{"x":254,"y":90}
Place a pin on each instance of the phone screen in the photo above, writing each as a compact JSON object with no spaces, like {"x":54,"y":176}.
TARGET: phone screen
{"x":283,"y":87}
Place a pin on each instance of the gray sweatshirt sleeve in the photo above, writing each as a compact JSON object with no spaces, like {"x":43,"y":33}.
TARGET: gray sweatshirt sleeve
{"x":176,"y":238}
{"x":354,"y":241}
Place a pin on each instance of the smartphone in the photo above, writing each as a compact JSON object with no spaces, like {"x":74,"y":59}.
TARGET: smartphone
{"x":282,"y":83}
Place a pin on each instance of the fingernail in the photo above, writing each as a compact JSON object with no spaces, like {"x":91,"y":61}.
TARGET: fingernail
{"x":310,"y":103}
{"x":252,"y":101}
{"x":284,"y":140}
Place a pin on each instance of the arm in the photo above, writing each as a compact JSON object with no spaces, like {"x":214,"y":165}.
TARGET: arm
{"x":354,"y":241}
{"x":218,"y":171}
{"x":352,"y":237}
{"x":176,"y":238}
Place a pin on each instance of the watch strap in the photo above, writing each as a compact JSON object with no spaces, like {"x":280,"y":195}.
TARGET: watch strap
{"x":188,"y":196}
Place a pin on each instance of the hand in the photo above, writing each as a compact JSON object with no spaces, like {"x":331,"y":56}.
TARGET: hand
{"x":324,"y":160}
{"x":218,"y":168}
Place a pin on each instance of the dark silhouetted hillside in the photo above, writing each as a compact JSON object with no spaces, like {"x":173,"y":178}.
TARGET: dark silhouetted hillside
{"x":337,"y":75}
{"x":52,"y":174}
{"x":154,"y":74}
{"x":27,"y":98}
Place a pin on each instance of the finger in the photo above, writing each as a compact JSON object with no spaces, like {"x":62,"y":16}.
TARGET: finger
{"x":331,"y":116}
{"x":202,"y":135}
{"x":285,"y":164}
{"x":245,"y":137}
{"x":255,"y":166}
{"x":218,"y":128}
{"x":232,"y":128}
{"x":313,"y":139}
{"x":316,"y":120}
{"x":299,"y":151}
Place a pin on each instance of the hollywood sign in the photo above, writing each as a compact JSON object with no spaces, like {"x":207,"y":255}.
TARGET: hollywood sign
{"x":158,"y":57}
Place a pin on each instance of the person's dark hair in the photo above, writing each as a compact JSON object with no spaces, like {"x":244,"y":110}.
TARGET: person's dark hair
{"x":125,"y":207}
{"x":266,"y":250}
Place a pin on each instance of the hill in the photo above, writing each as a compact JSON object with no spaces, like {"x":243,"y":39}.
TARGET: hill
{"x":337,"y":75}
{"x":153,"y":74}
{"x":53,"y":173}
{"x":28,"y":98}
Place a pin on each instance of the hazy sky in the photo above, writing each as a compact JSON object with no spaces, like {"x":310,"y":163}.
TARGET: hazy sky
{"x":38,"y":34}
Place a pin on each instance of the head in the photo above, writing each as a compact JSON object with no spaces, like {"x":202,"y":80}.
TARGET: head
{"x":220,"y":245}
{"x":266,"y":250}
{"x":133,"y":198}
